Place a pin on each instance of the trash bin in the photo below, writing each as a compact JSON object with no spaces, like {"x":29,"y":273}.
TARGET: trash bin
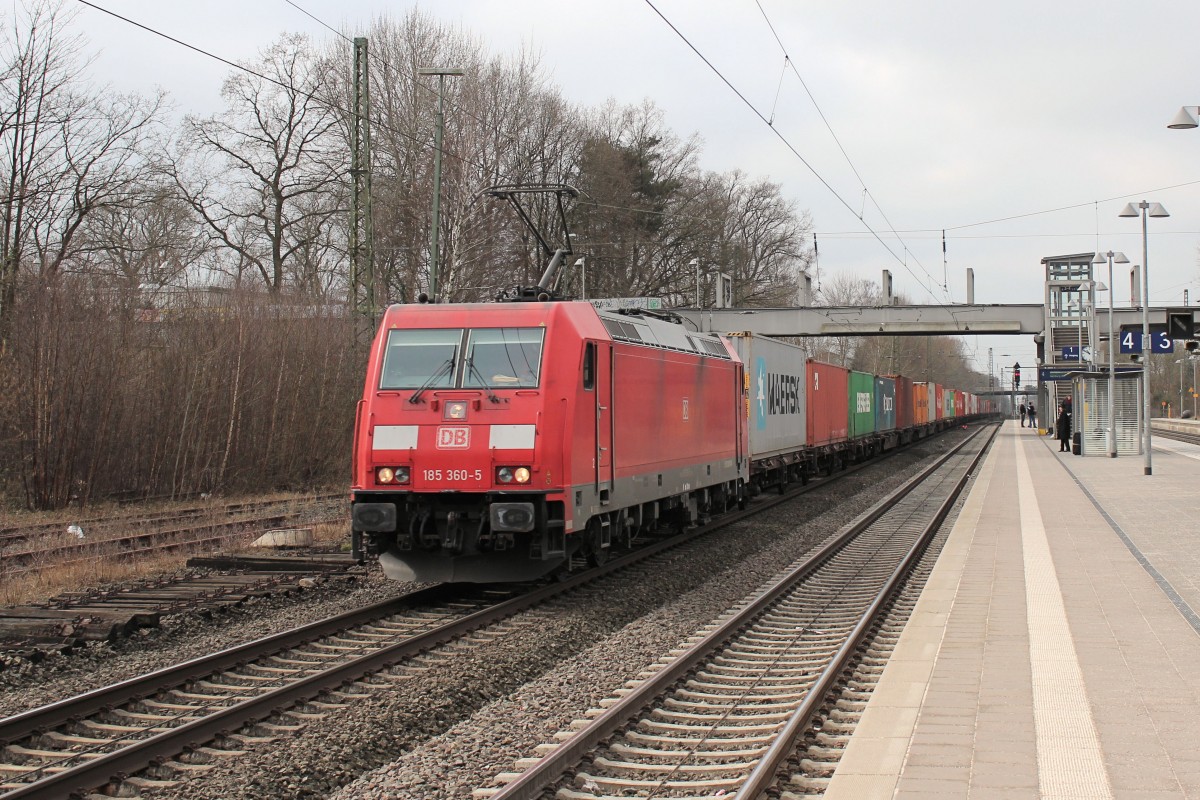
{"x":1077,"y":442}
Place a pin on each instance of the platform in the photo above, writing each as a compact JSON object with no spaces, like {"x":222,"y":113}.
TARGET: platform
{"x":1055,"y":651}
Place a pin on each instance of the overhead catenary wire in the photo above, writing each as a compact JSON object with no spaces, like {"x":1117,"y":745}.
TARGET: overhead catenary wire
{"x":310,"y":95}
{"x":789,"y":63}
{"x":404,"y":74}
{"x":787,"y":143}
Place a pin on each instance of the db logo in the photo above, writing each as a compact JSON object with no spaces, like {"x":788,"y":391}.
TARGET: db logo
{"x":449,"y":438}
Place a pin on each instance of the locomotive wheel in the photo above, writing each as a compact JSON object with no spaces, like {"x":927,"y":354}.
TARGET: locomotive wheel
{"x":623,"y":532}
{"x":596,"y":555}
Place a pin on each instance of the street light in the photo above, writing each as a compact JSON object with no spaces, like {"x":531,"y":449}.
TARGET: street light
{"x":581,"y":262}
{"x":441,"y":72}
{"x":1185,"y":118}
{"x":1111,"y":258}
{"x":695,"y":264}
{"x":1181,"y":362}
{"x":1145,"y":209}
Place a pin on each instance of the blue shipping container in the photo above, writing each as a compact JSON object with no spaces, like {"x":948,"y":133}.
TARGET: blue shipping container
{"x":885,"y":404}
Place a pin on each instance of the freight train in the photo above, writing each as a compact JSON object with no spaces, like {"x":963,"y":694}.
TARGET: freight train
{"x":507,"y":441}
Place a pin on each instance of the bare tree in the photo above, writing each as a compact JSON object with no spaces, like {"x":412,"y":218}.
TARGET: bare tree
{"x":68,"y":150}
{"x":267,"y":175}
{"x":761,"y":241}
{"x":504,"y":124}
{"x":147,"y":243}
{"x":844,"y":289}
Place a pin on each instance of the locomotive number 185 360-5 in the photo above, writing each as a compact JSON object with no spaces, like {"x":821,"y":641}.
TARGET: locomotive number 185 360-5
{"x":453,"y":475}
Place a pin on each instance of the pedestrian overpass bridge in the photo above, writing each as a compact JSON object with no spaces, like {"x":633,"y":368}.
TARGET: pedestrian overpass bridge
{"x":944,"y":320}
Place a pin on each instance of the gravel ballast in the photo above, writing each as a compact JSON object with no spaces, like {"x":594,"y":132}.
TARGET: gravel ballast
{"x":454,"y":726}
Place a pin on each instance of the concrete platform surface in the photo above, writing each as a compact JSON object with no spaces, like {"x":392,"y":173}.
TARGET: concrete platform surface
{"x":1055,"y":652}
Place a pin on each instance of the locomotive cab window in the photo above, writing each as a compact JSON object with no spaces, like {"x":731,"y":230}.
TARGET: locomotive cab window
{"x":503,"y":358}
{"x":589,"y":366}
{"x":420,"y":358}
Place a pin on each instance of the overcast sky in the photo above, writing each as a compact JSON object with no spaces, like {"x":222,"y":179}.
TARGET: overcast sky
{"x":962,"y":116}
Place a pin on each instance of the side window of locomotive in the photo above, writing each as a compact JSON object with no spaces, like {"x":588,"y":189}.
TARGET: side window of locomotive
{"x":589,"y":366}
{"x":420,"y":358}
{"x":503,"y":358}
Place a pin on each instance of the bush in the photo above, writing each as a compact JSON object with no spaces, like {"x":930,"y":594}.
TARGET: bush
{"x":104,"y":395}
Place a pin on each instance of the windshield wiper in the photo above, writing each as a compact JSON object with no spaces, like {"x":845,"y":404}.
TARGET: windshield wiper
{"x":482,"y":381}
{"x":446,"y":365}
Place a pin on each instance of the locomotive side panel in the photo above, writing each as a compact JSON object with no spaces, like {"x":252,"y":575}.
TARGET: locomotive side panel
{"x":673,"y":412}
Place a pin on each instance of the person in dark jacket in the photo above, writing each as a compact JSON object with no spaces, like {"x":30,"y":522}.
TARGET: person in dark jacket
{"x":1063,"y":427}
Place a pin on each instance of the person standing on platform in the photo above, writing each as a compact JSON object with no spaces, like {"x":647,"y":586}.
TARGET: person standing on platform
{"x":1021,"y":408}
{"x":1063,"y":427}
{"x":1032,"y":416}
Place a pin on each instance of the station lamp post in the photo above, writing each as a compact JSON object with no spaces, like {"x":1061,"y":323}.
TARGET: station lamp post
{"x":581,"y":262}
{"x":1145,"y":209}
{"x":434,"y":253}
{"x":1111,"y":258}
{"x":1016,"y":379}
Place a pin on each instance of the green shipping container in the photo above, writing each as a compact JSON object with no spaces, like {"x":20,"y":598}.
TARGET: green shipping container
{"x":862,"y":404}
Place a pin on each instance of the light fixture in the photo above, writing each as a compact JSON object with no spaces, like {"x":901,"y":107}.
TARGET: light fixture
{"x":1185,"y":119}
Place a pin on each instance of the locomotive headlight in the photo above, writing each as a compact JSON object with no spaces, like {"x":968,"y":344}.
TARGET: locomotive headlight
{"x":512,"y":475}
{"x":392,"y":475}
{"x":455,"y":409}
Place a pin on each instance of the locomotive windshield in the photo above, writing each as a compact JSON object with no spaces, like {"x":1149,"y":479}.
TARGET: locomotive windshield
{"x":499,"y":358}
{"x":416,"y":358}
{"x":493,"y":358}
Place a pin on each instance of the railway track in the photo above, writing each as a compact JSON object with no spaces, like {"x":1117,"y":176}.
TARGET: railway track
{"x":724,"y":714}
{"x":70,"y":620}
{"x":103,"y":526}
{"x":91,"y":740}
{"x":202,"y":708}
{"x":1179,"y":436}
{"x":27,"y":553}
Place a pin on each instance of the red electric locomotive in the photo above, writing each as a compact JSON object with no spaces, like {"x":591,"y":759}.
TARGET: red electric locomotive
{"x":497,"y":441}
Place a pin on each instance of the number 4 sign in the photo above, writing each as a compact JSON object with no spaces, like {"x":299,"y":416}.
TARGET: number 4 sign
{"x":1160,"y":342}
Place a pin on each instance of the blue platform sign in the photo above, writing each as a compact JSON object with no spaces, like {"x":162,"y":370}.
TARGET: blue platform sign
{"x":1160,"y":342}
{"x":1054,"y":374}
{"x":1070,"y":353}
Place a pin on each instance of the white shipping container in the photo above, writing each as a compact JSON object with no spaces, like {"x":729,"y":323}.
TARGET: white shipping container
{"x":775,"y":401}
